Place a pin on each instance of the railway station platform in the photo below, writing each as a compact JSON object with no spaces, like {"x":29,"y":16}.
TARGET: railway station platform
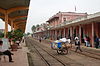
{"x":20,"y":57}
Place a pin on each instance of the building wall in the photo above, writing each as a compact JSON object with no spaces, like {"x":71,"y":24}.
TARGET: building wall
{"x":97,"y":29}
{"x":65,"y":16}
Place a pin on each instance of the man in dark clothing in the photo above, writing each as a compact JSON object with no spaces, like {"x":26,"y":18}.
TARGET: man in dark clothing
{"x":77,"y":44}
{"x":5,"y":51}
{"x":96,"y":42}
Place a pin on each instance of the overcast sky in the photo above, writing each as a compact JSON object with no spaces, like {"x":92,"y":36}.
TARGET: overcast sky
{"x":41,"y":10}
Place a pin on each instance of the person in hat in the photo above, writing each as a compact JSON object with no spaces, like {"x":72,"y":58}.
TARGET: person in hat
{"x":77,"y":44}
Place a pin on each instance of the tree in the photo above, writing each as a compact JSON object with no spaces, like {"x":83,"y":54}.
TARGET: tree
{"x":37,"y":25}
{"x":1,"y":34}
{"x":10,"y":34}
{"x":28,"y":33}
{"x":33,"y":28}
{"x":16,"y":34}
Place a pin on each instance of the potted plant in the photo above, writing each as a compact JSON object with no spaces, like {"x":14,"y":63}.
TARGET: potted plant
{"x":14,"y":36}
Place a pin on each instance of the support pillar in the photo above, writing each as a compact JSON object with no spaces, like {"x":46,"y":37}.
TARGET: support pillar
{"x":6,"y":24}
{"x":92,"y":34}
{"x":11,"y":24}
{"x":15,"y":27}
{"x":80,"y":33}
{"x":64,"y":31}
{"x":49,"y":34}
{"x":71,"y":32}
{"x":55,"y":34}
{"x":60,"y":33}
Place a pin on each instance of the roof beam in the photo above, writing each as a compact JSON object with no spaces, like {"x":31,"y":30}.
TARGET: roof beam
{"x":18,"y":17}
{"x":16,"y":9}
{"x":20,"y":21}
{"x":2,"y":11}
{"x":21,"y":25}
{"x":2,"y":17}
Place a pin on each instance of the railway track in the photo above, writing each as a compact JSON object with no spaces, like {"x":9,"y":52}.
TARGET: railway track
{"x":88,"y":53}
{"x":48,"y":57}
{"x":43,"y":55}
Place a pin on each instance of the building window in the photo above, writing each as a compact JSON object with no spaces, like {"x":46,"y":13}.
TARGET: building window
{"x":64,"y":19}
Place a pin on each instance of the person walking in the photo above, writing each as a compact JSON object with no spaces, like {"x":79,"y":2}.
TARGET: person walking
{"x":85,"y":40}
{"x":5,"y":51}
{"x":77,"y":44}
{"x":96,"y":42}
{"x":40,"y":39}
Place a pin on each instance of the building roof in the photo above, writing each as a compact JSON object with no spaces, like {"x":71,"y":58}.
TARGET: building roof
{"x":17,"y":11}
{"x":57,"y":15}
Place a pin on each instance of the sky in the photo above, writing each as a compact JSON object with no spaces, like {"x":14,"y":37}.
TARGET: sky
{"x":2,"y":25}
{"x":41,"y":10}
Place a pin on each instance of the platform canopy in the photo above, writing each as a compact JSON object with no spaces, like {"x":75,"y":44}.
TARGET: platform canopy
{"x":14,"y":13}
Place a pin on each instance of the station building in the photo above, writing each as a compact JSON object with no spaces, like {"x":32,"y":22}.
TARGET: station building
{"x":71,"y":24}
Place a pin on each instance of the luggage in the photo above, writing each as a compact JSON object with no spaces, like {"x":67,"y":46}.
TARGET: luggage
{"x":56,"y":46}
{"x":59,"y":44}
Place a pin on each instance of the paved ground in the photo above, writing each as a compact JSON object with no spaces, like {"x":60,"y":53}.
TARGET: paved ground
{"x":19,"y":58}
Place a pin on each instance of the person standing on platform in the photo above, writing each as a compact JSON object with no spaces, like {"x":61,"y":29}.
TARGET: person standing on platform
{"x":77,"y":44}
{"x":96,"y":42}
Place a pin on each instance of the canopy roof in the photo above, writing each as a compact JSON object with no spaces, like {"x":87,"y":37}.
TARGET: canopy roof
{"x":17,"y":11}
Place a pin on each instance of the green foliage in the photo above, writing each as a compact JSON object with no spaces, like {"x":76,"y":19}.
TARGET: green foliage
{"x":16,"y":34}
{"x":33,"y":28}
{"x":28,"y":33}
{"x":37,"y":25}
{"x":1,"y":35}
{"x":10,"y":35}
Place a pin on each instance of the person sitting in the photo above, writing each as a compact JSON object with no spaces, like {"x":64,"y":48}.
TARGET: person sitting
{"x":5,"y":51}
{"x":17,"y":42}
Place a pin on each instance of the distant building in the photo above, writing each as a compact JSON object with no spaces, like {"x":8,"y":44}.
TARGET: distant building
{"x":71,"y":24}
{"x":64,"y":16}
{"x":40,"y":29}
